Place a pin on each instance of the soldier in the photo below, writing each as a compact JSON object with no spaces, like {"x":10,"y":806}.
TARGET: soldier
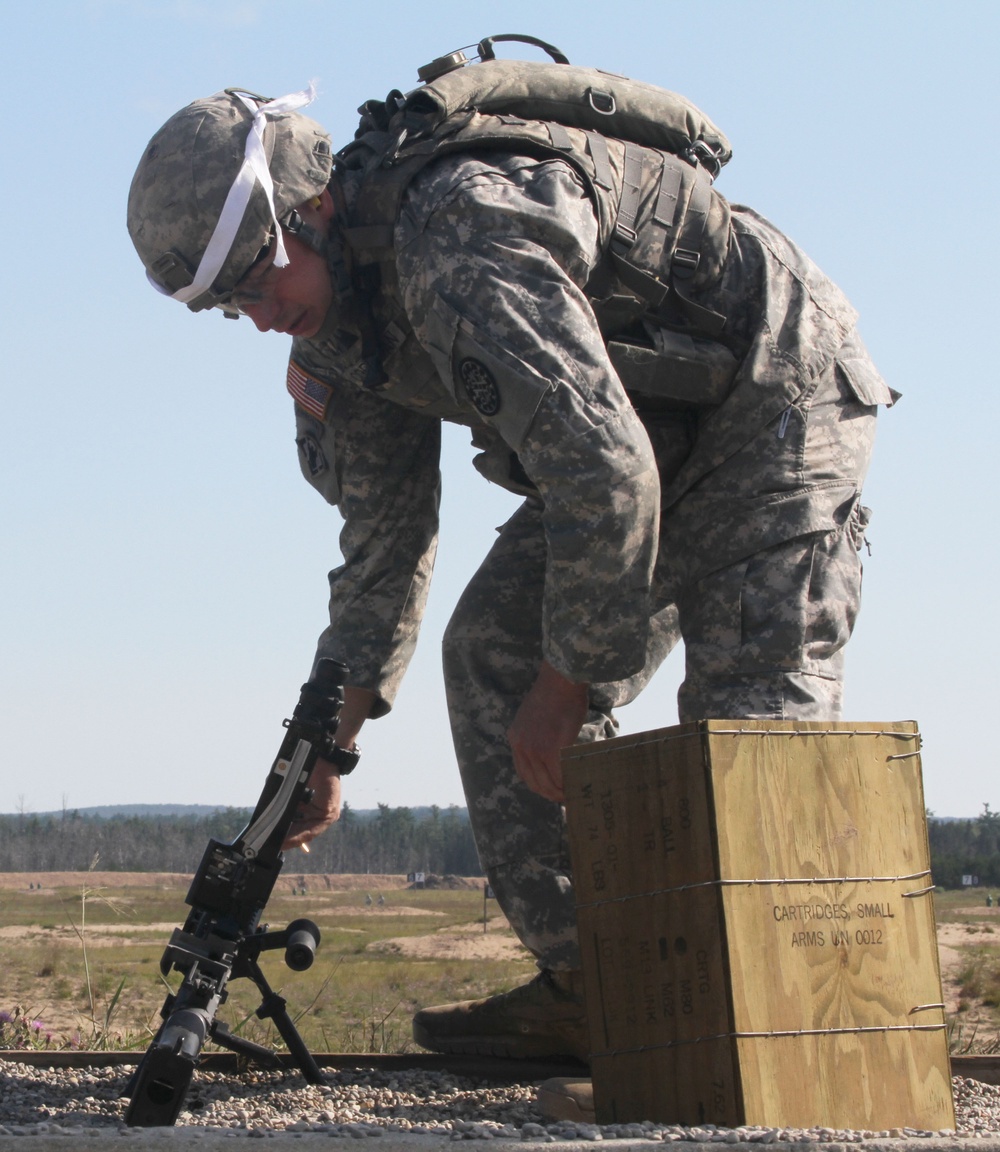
{"x":679,"y":394}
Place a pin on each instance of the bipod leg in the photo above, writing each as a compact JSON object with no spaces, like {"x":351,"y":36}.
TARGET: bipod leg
{"x":274,"y":1007}
{"x":246,"y":1048}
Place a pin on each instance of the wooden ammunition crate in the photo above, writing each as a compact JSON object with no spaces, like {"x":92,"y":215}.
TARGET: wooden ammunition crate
{"x":757,"y":926}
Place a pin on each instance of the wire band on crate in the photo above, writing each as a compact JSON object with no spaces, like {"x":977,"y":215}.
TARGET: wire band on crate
{"x":773,"y":1036}
{"x":774,"y":880}
{"x":811,"y":732}
{"x":598,"y":748}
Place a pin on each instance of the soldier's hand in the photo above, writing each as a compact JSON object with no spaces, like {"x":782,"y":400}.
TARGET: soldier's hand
{"x":549,"y":719}
{"x":321,"y":811}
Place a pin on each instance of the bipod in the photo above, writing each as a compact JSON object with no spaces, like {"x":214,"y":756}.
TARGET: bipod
{"x":299,"y":940}
{"x":160,"y":1082}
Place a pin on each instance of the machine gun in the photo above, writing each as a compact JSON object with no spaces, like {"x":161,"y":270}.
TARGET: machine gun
{"x":222,"y":938}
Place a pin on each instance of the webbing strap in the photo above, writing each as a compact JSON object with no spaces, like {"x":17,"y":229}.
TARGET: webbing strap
{"x":685,"y":258}
{"x":602,"y":161}
{"x":365,"y":236}
{"x":628,"y":205}
{"x":666,"y":199}
{"x":687,"y":255}
{"x":559,"y":137}
{"x":646,"y":286}
{"x":711,"y":323}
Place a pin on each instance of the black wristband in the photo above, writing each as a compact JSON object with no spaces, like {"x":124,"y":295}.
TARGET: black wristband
{"x":345,"y":760}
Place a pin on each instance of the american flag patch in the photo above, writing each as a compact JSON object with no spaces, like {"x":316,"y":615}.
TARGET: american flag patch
{"x":310,"y":394}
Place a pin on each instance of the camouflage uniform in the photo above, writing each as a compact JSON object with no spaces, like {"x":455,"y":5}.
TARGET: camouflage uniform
{"x":735,"y":523}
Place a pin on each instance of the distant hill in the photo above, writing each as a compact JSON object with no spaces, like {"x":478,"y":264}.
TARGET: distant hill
{"x":107,"y":811}
{"x":110,"y":811}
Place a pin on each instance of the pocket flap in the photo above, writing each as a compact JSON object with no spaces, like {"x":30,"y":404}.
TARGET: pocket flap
{"x":865,"y":381}
{"x":679,"y":368}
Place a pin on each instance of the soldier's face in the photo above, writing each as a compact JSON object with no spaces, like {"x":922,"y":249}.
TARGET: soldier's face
{"x":294,"y":299}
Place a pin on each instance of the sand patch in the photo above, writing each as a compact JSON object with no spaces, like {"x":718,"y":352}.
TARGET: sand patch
{"x":102,"y":935}
{"x":50,"y":882}
{"x":954,"y":942}
{"x":467,"y":942}
{"x":375,"y":910}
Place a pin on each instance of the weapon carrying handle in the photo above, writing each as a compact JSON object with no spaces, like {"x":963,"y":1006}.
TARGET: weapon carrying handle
{"x":485,"y":47}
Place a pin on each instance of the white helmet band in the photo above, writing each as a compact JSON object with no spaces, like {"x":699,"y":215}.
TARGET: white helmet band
{"x":253,"y":170}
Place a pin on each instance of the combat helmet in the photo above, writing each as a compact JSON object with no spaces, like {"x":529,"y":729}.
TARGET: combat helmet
{"x":213,"y":185}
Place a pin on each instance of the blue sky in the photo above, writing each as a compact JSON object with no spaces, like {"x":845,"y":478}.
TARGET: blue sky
{"x":163,"y":563}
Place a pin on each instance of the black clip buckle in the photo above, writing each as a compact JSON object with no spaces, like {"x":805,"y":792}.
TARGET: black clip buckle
{"x":624,"y":235}
{"x":685,"y":263}
{"x":702,"y":153}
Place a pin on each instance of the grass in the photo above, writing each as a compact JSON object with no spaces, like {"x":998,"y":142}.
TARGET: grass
{"x":85,"y":965}
{"x":974,"y":1026}
{"x":81,"y":967}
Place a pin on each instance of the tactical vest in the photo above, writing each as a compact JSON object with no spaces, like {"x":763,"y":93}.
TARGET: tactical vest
{"x":646,"y":156}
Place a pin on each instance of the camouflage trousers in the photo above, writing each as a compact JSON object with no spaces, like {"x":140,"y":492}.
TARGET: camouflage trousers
{"x":763,"y":636}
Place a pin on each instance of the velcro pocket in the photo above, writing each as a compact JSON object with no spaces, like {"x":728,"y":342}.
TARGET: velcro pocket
{"x":680,"y":368}
{"x":317,"y":455}
{"x":486,"y":378}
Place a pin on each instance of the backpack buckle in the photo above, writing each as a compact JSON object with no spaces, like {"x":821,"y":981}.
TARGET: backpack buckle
{"x":685,"y":263}
{"x":702,"y":153}
{"x":624,"y":236}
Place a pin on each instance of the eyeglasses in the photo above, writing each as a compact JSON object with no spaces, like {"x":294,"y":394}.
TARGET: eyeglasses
{"x":253,"y":286}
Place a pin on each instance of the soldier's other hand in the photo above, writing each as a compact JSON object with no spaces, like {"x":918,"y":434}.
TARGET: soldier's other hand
{"x":549,"y":719}
{"x":321,"y":811}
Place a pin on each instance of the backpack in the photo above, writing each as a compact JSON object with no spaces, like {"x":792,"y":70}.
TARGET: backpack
{"x":646,"y":156}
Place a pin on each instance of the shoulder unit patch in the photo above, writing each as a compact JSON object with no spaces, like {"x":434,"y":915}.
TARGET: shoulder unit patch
{"x":480,"y":386}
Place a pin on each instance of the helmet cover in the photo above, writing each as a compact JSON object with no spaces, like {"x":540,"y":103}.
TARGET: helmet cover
{"x":187,"y":172}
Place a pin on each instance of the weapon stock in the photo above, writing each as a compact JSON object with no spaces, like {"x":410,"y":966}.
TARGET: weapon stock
{"x":222,"y":938}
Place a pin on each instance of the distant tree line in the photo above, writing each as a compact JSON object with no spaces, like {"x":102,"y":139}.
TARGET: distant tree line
{"x":965,"y":848}
{"x":396,"y":840}
{"x":387,"y":840}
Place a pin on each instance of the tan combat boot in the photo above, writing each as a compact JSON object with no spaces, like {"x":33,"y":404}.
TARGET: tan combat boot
{"x":567,"y":1098}
{"x":545,"y":1017}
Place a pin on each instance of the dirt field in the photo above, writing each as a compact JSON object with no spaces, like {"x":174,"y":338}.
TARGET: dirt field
{"x":379,"y":920}
{"x":387,"y":949}
{"x":467,"y":943}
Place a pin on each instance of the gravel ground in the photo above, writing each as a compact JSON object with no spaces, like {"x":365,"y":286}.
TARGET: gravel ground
{"x":35,"y":1101}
